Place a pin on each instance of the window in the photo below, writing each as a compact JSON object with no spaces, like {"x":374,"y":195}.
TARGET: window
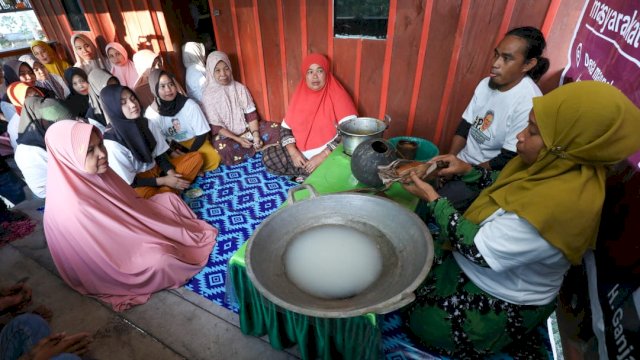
{"x":75,"y":15}
{"x":18,"y":25}
{"x":361,"y":18}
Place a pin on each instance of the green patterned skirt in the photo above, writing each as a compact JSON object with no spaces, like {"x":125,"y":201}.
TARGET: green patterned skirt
{"x":453,"y":317}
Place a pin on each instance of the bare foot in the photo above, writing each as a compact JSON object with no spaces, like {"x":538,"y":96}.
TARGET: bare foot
{"x":45,"y":312}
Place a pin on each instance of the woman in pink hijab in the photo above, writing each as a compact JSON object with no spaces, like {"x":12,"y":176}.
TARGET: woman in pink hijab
{"x":122,"y":67}
{"x":105,"y":241}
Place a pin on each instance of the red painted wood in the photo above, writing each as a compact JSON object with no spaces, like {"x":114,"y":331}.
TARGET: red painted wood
{"x":304,"y":32}
{"x":417,"y":81}
{"x":464,"y":12}
{"x":474,"y":64}
{"x":223,"y":28}
{"x":409,"y":17}
{"x":330,"y":45}
{"x":250,"y":60}
{"x":356,"y":75}
{"x":552,"y":11}
{"x":438,"y":57}
{"x":421,"y":75}
{"x":236,"y":38}
{"x":283,"y":59}
{"x":344,"y":63}
{"x":506,"y":19}
{"x":317,"y":26}
{"x":271,"y":46}
{"x":259,"y":47}
{"x":293,"y":41}
{"x":371,"y":77}
{"x":386,"y":67}
{"x":528,"y":13}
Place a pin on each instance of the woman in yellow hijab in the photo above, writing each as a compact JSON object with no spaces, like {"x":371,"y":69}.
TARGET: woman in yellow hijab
{"x":511,"y":248}
{"x":49,"y":58}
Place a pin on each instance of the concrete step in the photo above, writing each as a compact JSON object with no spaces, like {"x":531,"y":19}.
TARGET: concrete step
{"x":174,"y":324}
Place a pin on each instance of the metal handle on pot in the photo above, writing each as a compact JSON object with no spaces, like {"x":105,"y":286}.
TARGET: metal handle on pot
{"x":387,"y":121}
{"x":312,"y":193}
{"x":395,"y":303}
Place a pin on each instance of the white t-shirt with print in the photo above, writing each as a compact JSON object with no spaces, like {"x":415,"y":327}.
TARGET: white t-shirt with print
{"x":496,"y":117}
{"x":188,"y":123}
{"x":122,"y":161}
{"x":524,"y":268}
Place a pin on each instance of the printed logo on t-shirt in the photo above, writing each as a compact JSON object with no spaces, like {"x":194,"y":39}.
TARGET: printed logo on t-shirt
{"x":479,"y":129}
{"x":175,"y":130}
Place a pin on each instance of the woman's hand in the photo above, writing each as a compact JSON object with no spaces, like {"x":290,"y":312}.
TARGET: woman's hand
{"x":59,"y":343}
{"x":257,"y":141}
{"x":456,"y":166}
{"x":315,"y":161}
{"x":420,"y":188}
{"x":173,"y":180}
{"x":244,"y":142}
{"x":296,"y":156}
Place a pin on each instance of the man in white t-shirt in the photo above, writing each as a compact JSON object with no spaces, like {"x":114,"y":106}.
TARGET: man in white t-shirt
{"x":499,"y":109}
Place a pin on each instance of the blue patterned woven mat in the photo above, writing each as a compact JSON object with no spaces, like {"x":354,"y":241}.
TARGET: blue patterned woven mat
{"x":236,"y":200}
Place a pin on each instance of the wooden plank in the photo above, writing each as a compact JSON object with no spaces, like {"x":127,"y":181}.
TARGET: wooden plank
{"x":344,"y":63}
{"x":236,"y":38}
{"x":225,"y":36}
{"x":417,"y":82}
{"x":63,"y":22}
{"x":249,"y":59}
{"x":317,"y":26}
{"x":98,"y":25}
{"x":409,"y":16}
{"x":273,"y":83}
{"x":356,"y":72}
{"x":283,"y":57}
{"x":506,"y":20}
{"x":135,"y":23}
{"x":293,"y":41}
{"x":475,"y":59}
{"x":550,"y":17}
{"x":528,"y":13}
{"x":259,"y":48}
{"x":330,"y":32}
{"x":304,"y":31}
{"x":386,"y":67}
{"x":373,"y":51}
{"x":452,"y":69}
{"x":442,"y":35}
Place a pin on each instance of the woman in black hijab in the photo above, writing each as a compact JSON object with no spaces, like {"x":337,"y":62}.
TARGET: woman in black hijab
{"x":78,"y":100}
{"x":137,"y":150}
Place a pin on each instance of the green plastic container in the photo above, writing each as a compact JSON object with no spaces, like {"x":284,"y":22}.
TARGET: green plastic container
{"x":426,"y":149}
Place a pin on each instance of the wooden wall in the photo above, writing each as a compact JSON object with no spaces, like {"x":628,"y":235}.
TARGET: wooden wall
{"x":139,"y":24}
{"x":422,"y":75}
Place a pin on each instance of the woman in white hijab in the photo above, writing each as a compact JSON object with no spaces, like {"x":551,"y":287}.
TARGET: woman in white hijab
{"x":193,"y":57}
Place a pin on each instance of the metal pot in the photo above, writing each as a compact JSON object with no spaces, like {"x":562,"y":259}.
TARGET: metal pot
{"x":355,"y":131}
{"x":402,"y":237}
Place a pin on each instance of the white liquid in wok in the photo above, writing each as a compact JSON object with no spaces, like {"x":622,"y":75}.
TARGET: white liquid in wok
{"x":333,"y":261}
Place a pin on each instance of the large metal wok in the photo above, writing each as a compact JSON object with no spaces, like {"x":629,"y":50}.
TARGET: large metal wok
{"x":402,"y":237}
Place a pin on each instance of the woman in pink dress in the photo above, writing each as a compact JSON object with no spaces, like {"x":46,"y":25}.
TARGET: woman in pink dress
{"x":105,"y":241}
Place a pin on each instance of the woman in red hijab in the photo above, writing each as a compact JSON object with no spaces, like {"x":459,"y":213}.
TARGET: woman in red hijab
{"x":309,"y":133}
